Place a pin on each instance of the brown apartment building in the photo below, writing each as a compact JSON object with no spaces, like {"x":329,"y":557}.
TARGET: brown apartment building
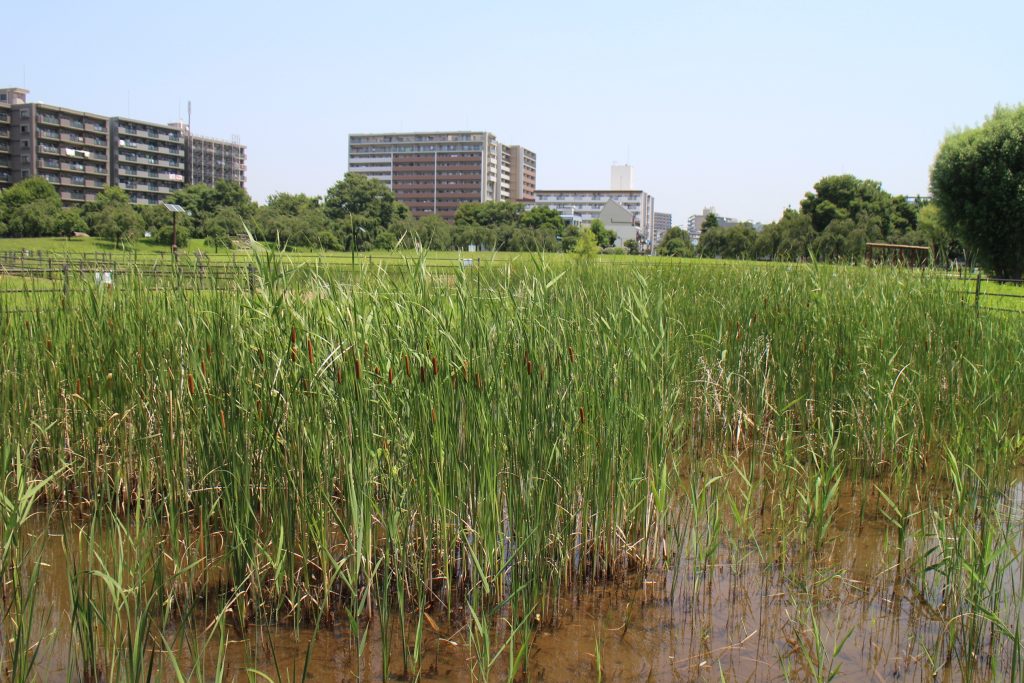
{"x":433,"y":173}
{"x":68,"y":148}
{"x":81,"y":153}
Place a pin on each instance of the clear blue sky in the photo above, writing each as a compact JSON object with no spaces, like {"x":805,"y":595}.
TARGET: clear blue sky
{"x":742,"y":105}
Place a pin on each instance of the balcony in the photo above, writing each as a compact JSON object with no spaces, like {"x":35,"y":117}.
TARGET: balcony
{"x":49,"y":119}
{"x":48,"y":134}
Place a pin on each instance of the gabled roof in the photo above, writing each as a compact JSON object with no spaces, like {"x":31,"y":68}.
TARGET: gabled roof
{"x":613,"y":212}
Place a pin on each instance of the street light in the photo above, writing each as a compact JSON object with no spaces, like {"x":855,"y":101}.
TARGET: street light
{"x":175,"y":209}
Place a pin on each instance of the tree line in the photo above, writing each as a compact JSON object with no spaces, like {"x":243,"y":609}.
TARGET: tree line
{"x":835,"y":222}
{"x":356,"y":213}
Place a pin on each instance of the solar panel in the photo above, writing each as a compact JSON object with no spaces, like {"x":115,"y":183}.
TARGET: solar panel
{"x":174,"y":208}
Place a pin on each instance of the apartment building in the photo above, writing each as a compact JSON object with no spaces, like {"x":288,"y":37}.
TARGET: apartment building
{"x":81,"y":153}
{"x":210,"y":160}
{"x":150,"y":159}
{"x":66,"y":147}
{"x":433,"y":173}
{"x":662,"y":224}
{"x":695,"y":223}
{"x":585,"y":206}
{"x":5,"y":138}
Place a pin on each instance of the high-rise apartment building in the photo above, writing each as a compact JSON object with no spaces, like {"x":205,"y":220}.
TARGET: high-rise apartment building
{"x":5,"y":138}
{"x":68,"y":148}
{"x":211,"y":160}
{"x":81,"y":153}
{"x":433,"y":173}
{"x":622,"y":177}
{"x":208,"y":160}
{"x":662,"y":224}
{"x":150,"y":159}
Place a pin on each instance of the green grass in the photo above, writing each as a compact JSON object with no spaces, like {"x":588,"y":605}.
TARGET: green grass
{"x":473,"y":446}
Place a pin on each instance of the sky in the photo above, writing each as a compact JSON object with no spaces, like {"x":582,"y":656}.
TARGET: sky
{"x":741,"y":105}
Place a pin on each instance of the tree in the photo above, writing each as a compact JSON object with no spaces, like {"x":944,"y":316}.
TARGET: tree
{"x":710,"y":221}
{"x":117,"y":223}
{"x":222,"y":226}
{"x":862,"y":201}
{"x":977,"y":181}
{"x":70,"y":221}
{"x":605,"y":236}
{"x":933,"y":230}
{"x":676,"y":242}
{"x":732,"y":242}
{"x":586,"y":245}
{"x":489,"y":214}
{"x":543,"y":218}
{"x":29,"y":208}
{"x":632,"y":247}
{"x":112,"y":216}
{"x":360,"y":206}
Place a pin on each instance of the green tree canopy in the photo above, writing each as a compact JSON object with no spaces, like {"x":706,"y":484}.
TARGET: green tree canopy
{"x":489,"y":214}
{"x":360,"y":207}
{"x":675,"y":242}
{"x":29,"y":208}
{"x":978,"y":184}
{"x":863,"y":201}
{"x":732,"y":242}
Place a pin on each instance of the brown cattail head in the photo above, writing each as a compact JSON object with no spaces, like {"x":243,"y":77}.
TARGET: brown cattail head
{"x":529,"y":367}
{"x":295,"y":353}
{"x":191,"y":385}
{"x":260,"y":352}
{"x":433,"y":359}
{"x":223,"y":422}
{"x":572,"y":354}
{"x":78,"y":387}
{"x":391,"y":375}
{"x":337,"y":374}
{"x":309,"y":349}
{"x":293,"y":336}
{"x":479,"y":383}
{"x":423,"y":375}
{"x":433,"y":415}
{"x":408,"y":371}
{"x":582,"y":416}
{"x":49,"y":344}
{"x":359,"y":374}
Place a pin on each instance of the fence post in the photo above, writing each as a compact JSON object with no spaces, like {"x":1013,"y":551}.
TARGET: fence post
{"x":252,"y":278}
{"x":65,"y":268}
{"x":977,"y":293}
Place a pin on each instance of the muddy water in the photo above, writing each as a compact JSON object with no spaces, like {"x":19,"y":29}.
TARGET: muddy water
{"x":844,"y":611}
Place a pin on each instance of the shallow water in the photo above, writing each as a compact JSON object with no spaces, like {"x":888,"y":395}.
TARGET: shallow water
{"x":845,"y":611}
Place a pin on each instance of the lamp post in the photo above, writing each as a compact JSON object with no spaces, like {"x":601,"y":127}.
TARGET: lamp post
{"x":175,"y":210}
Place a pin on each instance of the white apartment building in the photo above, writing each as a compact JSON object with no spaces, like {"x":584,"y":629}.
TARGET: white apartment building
{"x":586,"y":205}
